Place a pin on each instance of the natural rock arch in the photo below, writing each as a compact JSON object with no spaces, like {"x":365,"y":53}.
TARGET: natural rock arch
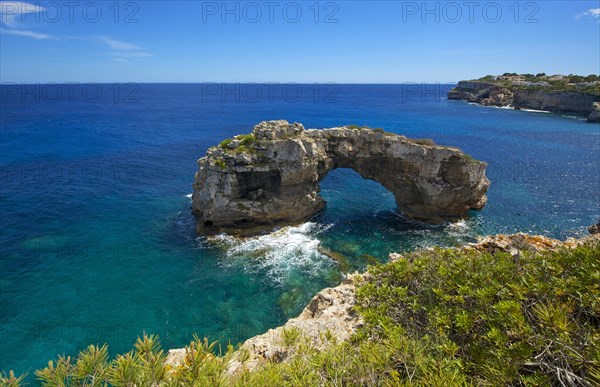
{"x":271,"y":177}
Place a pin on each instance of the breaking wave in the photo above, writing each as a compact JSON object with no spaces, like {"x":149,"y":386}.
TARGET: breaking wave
{"x":280,"y":255}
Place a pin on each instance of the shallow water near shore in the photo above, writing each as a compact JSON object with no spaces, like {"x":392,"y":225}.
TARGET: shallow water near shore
{"x":98,"y":241}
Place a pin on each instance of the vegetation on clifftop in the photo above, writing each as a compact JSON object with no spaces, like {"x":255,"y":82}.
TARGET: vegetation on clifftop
{"x":439,"y":317}
{"x":241,"y":144}
{"x":589,"y":84}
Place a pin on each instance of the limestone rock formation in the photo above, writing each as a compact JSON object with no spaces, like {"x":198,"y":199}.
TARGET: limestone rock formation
{"x":327,"y":317}
{"x":595,"y":114}
{"x":486,"y":94}
{"x":490,"y":94}
{"x":556,"y":101}
{"x":271,"y":177}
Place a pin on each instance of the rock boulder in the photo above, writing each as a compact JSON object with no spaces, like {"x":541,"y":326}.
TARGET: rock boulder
{"x":595,"y":114}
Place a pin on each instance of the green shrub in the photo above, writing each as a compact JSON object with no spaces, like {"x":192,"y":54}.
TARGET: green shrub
{"x":290,"y":336}
{"x":494,"y":319}
{"x":244,"y":141}
{"x":90,"y":368}
{"x":225,"y":143}
{"x":247,"y":140}
{"x":242,"y":149}
{"x":11,"y":380}
{"x":220,"y":162}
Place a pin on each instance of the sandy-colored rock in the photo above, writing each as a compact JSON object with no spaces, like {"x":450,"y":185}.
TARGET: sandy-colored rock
{"x":595,"y":114}
{"x":273,"y":179}
{"x":328,"y":317}
{"x":175,"y":357}
{"x":516,"y":242}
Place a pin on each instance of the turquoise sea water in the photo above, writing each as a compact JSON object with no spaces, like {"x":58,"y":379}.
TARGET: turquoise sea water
{"x":97,"y":238}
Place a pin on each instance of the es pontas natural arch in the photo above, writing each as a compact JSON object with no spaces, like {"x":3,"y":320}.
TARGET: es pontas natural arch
{"x":271,"y":176}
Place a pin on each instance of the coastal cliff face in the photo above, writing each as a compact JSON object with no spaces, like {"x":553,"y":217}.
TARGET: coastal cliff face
{"x":490,"y":94}
{"x":482,"y":93}
{"x":563,"y":102}
{"x":271,"y":177}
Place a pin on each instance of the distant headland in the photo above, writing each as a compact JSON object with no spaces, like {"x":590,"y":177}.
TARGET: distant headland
{"x":572,"y":94}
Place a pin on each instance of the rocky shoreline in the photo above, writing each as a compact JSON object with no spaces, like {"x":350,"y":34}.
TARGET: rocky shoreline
{"x":528,"y":95}
{"x":329,"y":316}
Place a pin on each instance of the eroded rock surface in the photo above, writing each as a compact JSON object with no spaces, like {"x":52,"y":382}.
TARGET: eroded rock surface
{"x":271,"y":177}
{"x":327,"y":318}
{"x":490,"y":94}
{"x":595,"y":114}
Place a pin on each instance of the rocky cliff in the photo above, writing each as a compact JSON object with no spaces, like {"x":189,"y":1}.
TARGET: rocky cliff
{"x":519,"y":97}
{"x":271,"y":176}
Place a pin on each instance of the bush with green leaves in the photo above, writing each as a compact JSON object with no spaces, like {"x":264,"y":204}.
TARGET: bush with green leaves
{"x":530,"y":319}
{"x":247,"y":140}
{"x":443,"y":317}
{"x":225,"y":143}
{"x":220,"y":162}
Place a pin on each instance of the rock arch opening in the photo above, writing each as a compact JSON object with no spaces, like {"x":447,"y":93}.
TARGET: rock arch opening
{"x":349,"y":195}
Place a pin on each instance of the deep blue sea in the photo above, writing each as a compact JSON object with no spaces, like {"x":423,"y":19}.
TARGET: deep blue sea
{"x":98,"y":241}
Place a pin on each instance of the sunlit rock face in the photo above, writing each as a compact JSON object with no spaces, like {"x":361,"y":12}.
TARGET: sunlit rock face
{"x":490,"y":94}
{"x":271,"y":177}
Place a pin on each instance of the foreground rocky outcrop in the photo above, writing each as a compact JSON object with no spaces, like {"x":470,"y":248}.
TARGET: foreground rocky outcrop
{"x":528,"y":97}
{"x":271,"y":176}
{"x":330,"y":317}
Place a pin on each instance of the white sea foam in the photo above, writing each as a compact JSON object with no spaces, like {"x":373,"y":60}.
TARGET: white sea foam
{"x":189,"y":196}
{"x":507,"y":107}
{"x":461,"y":225}
{"x":278,"y":254}
{"x":535,"y":111}
{"x":461,"y":231}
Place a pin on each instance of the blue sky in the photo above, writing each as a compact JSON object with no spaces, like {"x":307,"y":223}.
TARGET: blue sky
{"x":286,"y":41}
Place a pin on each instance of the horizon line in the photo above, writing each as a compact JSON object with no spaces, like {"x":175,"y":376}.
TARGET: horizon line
{"x":226,"y":82}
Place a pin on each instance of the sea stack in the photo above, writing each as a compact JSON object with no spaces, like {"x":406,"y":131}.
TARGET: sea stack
{"x":271,"y":176}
